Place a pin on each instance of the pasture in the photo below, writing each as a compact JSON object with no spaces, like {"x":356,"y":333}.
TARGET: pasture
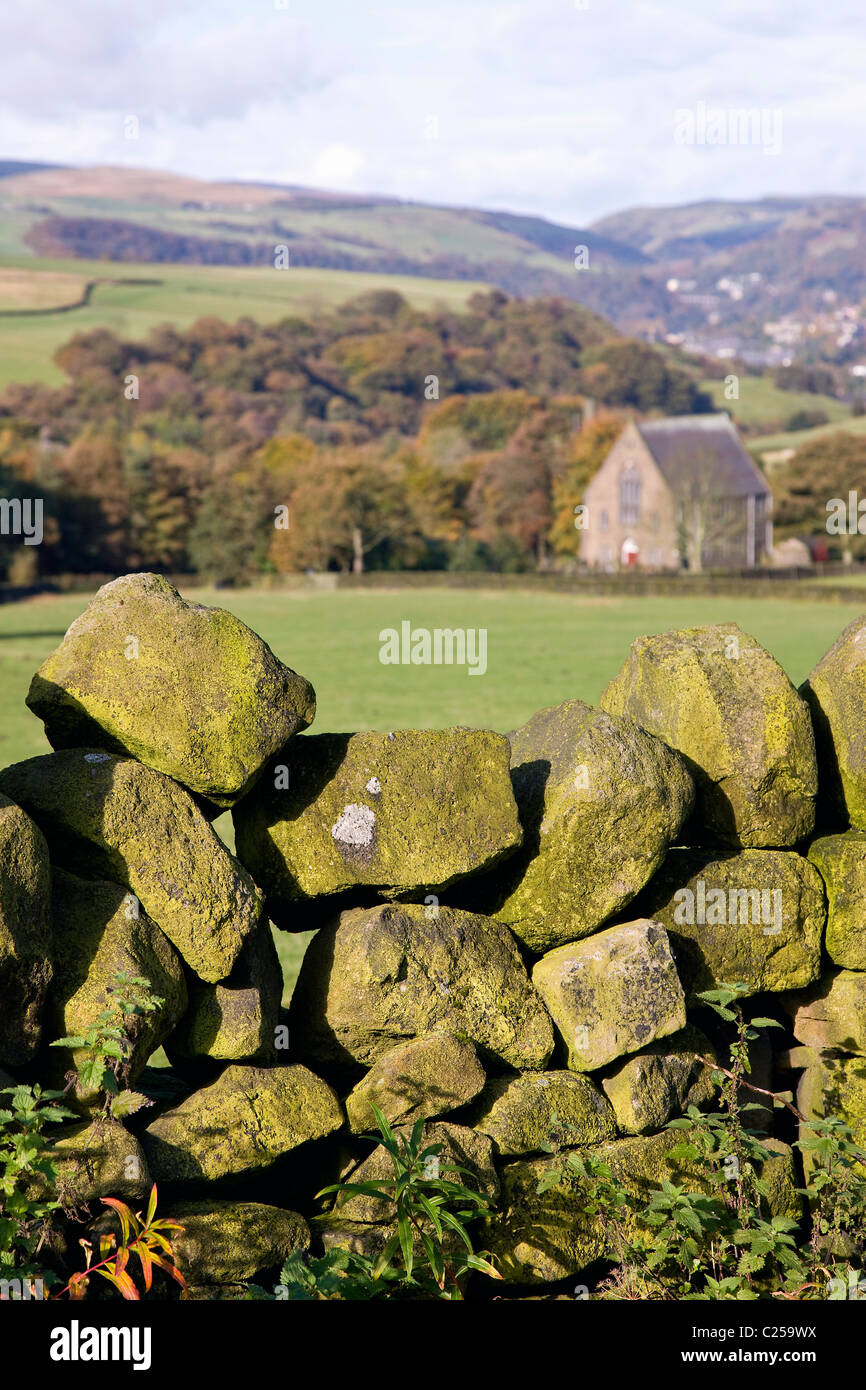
{"x":132,"y":299}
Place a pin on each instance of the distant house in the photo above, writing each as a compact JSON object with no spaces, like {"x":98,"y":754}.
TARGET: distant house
{"x":680,"y":493}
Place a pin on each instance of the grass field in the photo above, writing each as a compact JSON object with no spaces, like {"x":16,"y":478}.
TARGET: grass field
{"x":131,"y":299}
{"x":542,"y":649}
{"x":795,"y":439}
{"x":763,"y":406}
{"x":23,"y":290}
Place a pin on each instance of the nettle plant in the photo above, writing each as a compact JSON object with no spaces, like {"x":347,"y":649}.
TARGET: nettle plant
{"x":429,"y":1255}
{"x":722,"y":1242}
{"x":29,"y":1199}
{"x":28,"y":1179}
{"x":107,"y":1045}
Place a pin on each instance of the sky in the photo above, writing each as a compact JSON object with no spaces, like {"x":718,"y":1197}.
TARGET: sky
{"x":569,"y":109}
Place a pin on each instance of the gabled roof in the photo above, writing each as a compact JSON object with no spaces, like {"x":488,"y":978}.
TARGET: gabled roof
{"x":681,"y":444}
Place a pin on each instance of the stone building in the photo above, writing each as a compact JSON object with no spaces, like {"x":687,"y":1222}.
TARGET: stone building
{"x":679,"y":493}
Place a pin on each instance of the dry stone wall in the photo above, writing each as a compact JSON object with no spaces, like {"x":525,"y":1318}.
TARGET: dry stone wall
{"x":511,"y":932}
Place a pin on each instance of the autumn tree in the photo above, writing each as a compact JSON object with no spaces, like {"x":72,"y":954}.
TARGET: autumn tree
{"x":587,"y":452}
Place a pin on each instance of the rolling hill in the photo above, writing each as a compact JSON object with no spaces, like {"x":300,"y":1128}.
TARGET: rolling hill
{"x":706,"y":276}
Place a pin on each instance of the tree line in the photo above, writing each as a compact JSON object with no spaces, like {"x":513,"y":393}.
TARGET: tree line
{"x":375,"y":436}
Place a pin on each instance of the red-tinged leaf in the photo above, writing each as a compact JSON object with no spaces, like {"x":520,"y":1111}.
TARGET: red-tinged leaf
{"x":122,"y":1260}
{"x":123,"y":1212}
{"x":123,"y":1284}
{"x":169,"y":1268}
{"x":155,"y":1240}
{"x":78,"y":1286}
{"x":141,"y":1250}
{"x":106,"y":1245}
{"x":151,"y":1206}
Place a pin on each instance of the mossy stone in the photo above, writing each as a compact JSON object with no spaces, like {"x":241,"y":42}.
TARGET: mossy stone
{"x":130,"y":825}
{"x":611,"y":993}
{"x":231,"y":1242}
{"x":188,"y":690}
{"x":600,"y":801}
{"x":99,"y":1158}
{"x":721,"y":700}
{"x":836,"y":692}
{"x":98,"y":930}
{"x":658,"y":1083}
{"x":417,"y":1079}
{"x":393,"y":811}
{"x":756,"y":916}
{"x":831,"y":1015}
{"x":379,"y":976}
{"x":841,"y":862}
{"x":537,"y":1238}
{"x":242,"y":1123}
{"x":25,"y":934}
{"x":523,"y":1114}
{"x":235,"y":1020}
{"x":834,"y":1088}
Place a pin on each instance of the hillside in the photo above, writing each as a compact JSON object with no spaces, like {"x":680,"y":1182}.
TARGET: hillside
{"x":43,"y":303}
{"x":132,"y":215}
{"x":707,"y":275}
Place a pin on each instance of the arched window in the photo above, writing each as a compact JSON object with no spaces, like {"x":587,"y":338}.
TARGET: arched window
{"x":629,"y":497}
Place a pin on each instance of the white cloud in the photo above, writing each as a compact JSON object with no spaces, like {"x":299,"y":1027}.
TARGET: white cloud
{"x":541,"y":106}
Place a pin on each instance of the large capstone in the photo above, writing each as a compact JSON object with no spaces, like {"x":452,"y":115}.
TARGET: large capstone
{"x":188,"y":690}
{"x":130,"y":825}
{"x":600,"y":801}
{"x":612,"y":993}
{"x":381,"y":975}
{"x":841,"y":862}
{"x":417,"y":1079}
{"x":243,"y":1122}
{"x":755,"y":917}
{"x":25,"y":934}
{"x":99,"y":931}
{"x":721,"y":700}
{"x":395,"y":812}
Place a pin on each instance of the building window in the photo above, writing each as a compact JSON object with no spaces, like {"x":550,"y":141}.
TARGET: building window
{"x":603,"y":520}
{"x":629,"y":497}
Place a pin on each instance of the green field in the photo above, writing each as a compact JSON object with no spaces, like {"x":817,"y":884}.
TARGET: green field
{"x":763,"y":406}
{"x":795,"y":439}
{"x":179,"y":294}
{"x":541,"y":649}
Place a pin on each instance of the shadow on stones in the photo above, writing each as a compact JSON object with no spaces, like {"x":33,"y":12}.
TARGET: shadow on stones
{"x":486,"y":892}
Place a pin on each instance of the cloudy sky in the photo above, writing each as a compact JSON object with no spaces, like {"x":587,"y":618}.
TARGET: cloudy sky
{"x":564,"y":108}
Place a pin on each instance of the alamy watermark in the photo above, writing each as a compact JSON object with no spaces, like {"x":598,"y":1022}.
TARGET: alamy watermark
{"x":22,"y":517}
{"x":846,"y":518}
{"x":720,"y":125}
{"x":736,"y":907}
{"x":439,"y":646}
{"x":22,"y":1290}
